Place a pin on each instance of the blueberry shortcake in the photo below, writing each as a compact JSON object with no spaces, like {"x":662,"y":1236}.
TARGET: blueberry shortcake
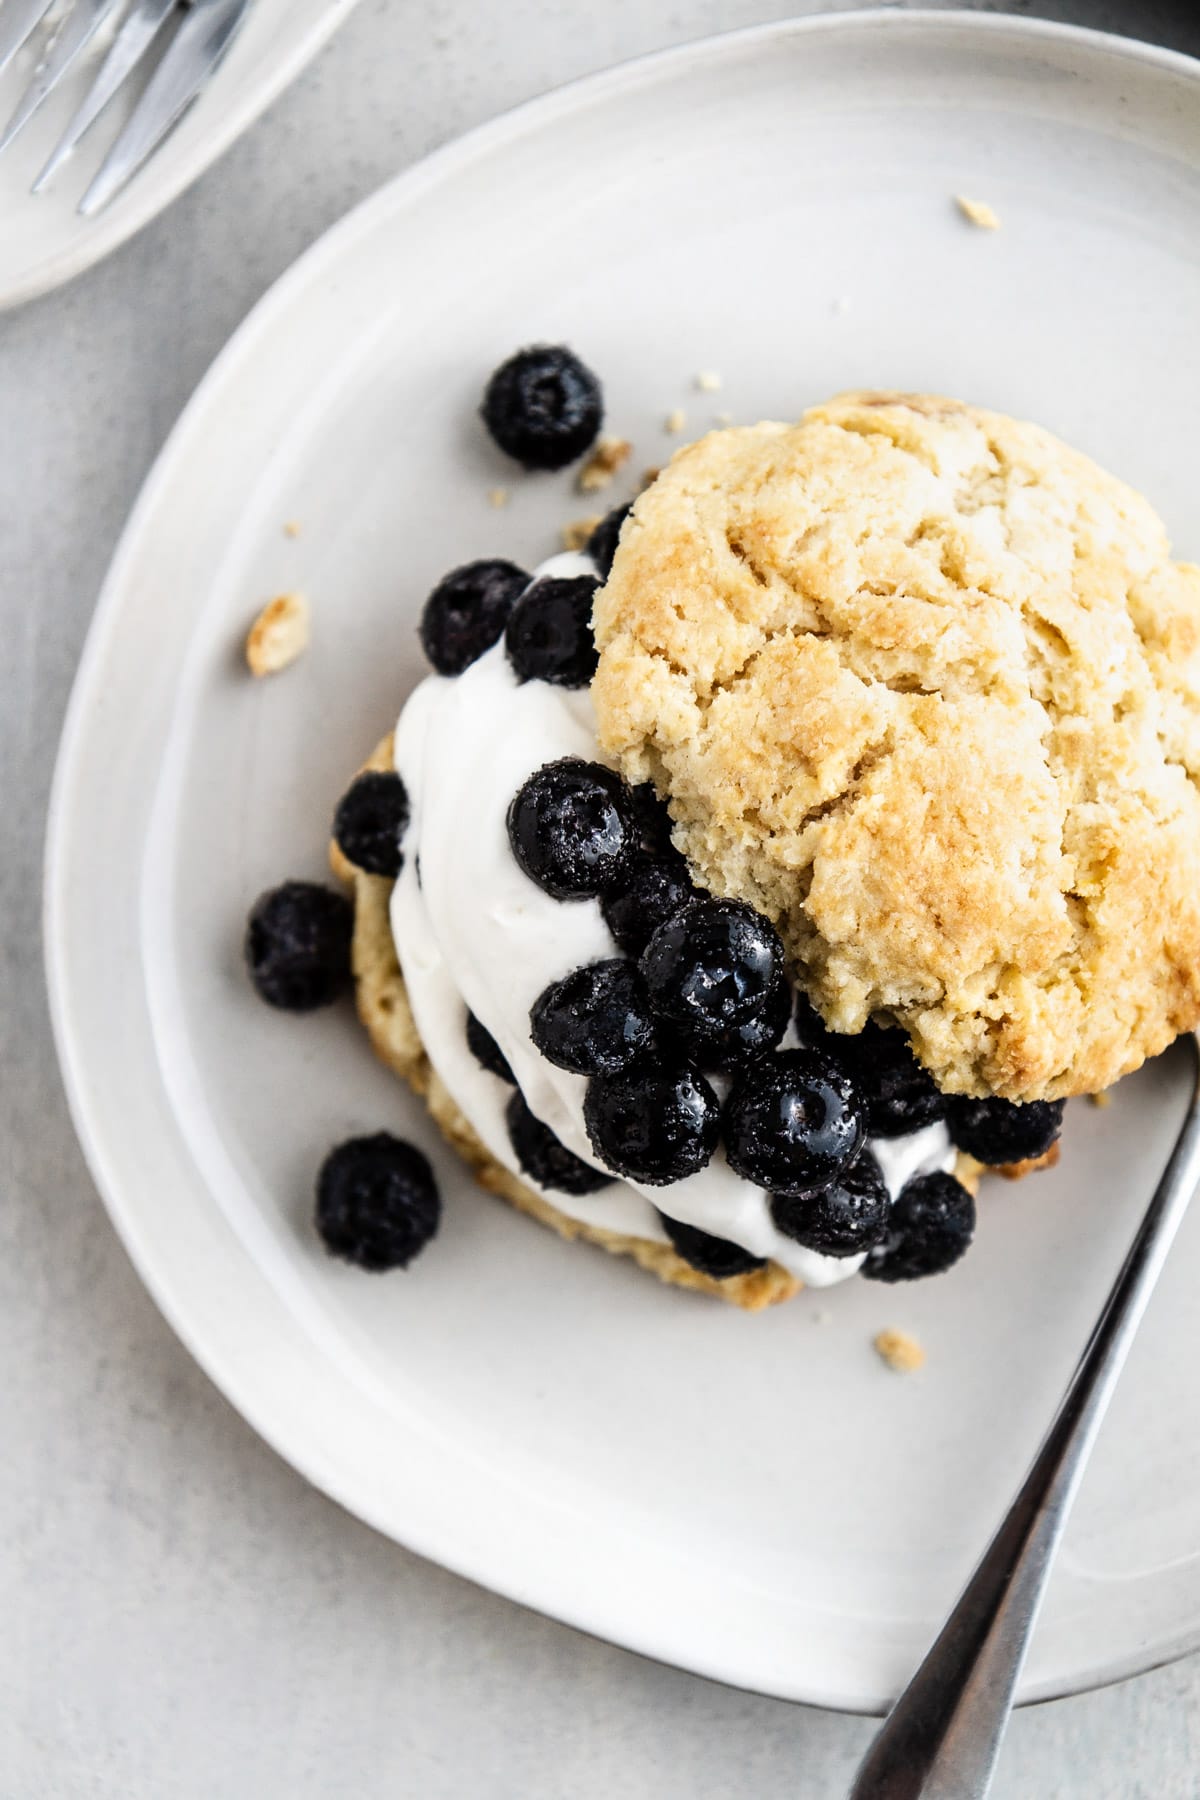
{"x":734,"y":891}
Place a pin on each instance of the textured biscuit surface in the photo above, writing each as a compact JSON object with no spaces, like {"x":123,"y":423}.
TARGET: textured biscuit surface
{"x":923,"y":685}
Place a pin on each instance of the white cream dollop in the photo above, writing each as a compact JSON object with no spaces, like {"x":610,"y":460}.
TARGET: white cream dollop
{"x":473,"y":931}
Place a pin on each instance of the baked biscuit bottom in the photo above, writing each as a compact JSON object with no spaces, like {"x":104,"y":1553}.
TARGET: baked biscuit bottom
{"x":383,"y":1007}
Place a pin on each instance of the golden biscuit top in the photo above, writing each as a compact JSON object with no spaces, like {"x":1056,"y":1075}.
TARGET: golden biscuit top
{"x":923,"y":685}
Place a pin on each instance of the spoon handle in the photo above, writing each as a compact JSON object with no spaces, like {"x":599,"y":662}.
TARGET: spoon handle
{"x":942,"y":1738}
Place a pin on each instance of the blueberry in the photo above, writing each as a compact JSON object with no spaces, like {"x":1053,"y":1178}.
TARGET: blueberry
{"x":900,"y":1094}
{"x":731,"y":1051}
{"x":594,"y":1021}
{"x":543,"y":407}
{"x":843,"y":1219}
{"x":713,"y":1256}
{"x":546,"y":1160}
{"x":1004,"y":1131}
{"x":370,"y":822}
{"x":654,"y":1125}
{"x":572,"y":829}
{"x":650,"y":892}
{"x":467,"y":612}
{"x":654,"y":821}
{"x":793,"y":1122}
{"x":486,"y":1050}
{"x":930,"y":1226}
{"x":602,"y":545}
{"x":549,"y":632}
{"x":712,"y":965}
{"x":377,"y":1202}
{"x":298,"y":946}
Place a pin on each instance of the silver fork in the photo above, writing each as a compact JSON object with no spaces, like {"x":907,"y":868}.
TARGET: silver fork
{"x":942,"y":1738}
{"x":204,"y":30}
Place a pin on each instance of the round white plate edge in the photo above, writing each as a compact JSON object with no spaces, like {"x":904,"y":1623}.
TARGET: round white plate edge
{"x":147,"y":199}
{"x":475,"y":145}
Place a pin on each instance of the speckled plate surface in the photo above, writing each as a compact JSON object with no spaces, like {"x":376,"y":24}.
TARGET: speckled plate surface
{"x":759,"y":1498}
{"x":43,"y":241}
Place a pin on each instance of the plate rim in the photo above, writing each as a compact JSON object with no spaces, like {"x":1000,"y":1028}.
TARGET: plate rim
{"x":146,"y":201}
{"x":170,"y":1295}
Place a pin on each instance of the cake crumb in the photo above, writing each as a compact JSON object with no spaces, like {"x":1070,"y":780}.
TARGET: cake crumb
{"x":675,"y":421}
{"x":708,"y":381}
{"x":977,"y":212}
{"x":279,"y":635}
{"x":900,"y":1352}
{"x":498,"y":497}
{"x":292,"y":529}
{"x":576,"y":534}
{"x":1102,"y":1099}
{"x":607,"y":459}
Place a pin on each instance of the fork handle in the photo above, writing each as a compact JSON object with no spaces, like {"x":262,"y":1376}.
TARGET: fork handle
{"x":942,"y":1738}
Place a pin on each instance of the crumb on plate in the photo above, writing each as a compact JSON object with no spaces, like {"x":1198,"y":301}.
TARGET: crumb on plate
{"x":576,"y":534}
{"x":675,"y":421}
{"x":292,"y":529}
{"x":977,"y":212}
{"x":1102,"y":1099}
{"x":279,"y":635}
{"x":607,"y":459}
{"x":498,"y":497}
{"x":708,"y":381}
{"x":899,"y":1351}
{"x":723,"y":419}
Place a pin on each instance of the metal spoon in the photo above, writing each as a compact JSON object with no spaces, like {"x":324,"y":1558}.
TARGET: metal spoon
{"x":942,"y":1737}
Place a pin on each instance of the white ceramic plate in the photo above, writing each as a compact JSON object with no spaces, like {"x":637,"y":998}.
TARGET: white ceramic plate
{"x":43,"y":241}
{"x":755,"y":1498}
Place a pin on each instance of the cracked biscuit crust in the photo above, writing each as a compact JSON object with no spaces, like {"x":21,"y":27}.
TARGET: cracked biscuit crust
{"x":923,"y":684}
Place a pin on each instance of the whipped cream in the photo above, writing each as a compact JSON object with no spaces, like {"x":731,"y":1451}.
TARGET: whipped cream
{"x":473,"y":931}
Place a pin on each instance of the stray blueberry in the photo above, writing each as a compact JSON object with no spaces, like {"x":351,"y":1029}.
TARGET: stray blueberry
{"x":733,"y":1050}
{"x":594,"y":1021}
{"x":929,"y":1228}
{"x":793,"y":1122}
{"x":572,"y":829}
{"x":712,"y":965}
{"x":370,"y":822}
{"x":544,"y":1158}
{"x":602,"y":545}
{"x":712,"y":1256}
{"x":843,"y":1219}
{"x":653,"y":1125}
{"x":486,"y":1051}
{"x":377,"y":1202}
{"x":543,"y":407}
{"x":549,"y":632}
{"x":1003,"y":1131}
{"x":298,"y":946}
{"x":467,"y":612}
{"x":651,"y":891}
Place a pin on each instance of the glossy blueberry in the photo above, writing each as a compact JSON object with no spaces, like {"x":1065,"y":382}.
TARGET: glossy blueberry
{"x":900,"y":1094}
{"x":544,"y":1158}
{"x":653,"y":1125}
{"x":594,"y":1021}
{"x":712,"y":965}
{"x":651,"y":891}
{"x":793,"y":1122}
{"x":370,"y":822}
{"x":377,"y":1202}
{"x":712,"y":1256}
{"x":467,"y":612}
{"x":297,"y":946}
{"x":543,"y":407}
{"x":602,"y":545}
{"x":486,"y":1050}
{"x":732,"y":1051}
{"x":929,"y":1228}
{"x":549,"y":632}
{"x":843,"y":1219}
{"x":1002,"y":1131}
{"x":572,"y":829}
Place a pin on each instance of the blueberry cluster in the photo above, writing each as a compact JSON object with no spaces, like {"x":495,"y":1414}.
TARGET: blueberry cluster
{"x":701,"y":992}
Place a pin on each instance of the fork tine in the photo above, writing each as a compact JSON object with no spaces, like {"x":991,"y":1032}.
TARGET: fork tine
{"x":129,"y":46}
{"x":17,"y":23}
{"x":205,"y":34}
{"x":76,"y":33}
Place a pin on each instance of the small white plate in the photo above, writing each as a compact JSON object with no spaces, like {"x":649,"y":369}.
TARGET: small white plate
{"x":43,"y":241}
{"x":759,"y":1498}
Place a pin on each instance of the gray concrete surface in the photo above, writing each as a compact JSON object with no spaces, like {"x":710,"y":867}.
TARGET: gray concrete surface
{"x":181,"y":1618}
